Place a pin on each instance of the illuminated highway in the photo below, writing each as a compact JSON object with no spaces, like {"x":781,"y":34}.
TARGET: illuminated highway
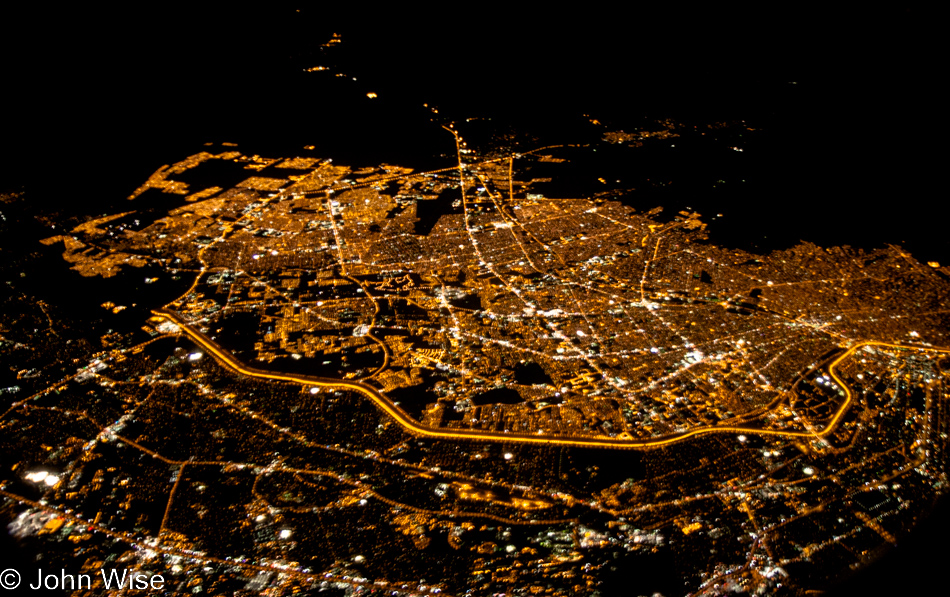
{"x":420,"y":430}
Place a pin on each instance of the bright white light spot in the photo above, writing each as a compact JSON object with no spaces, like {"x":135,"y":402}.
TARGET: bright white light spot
{"x":914,"y":335}
{"x":314,"y":390}
{"x":363,"y":502}
{"x":273,"y":252}
{"x":808,"y":470}
{"x":37,"y":477}
{"x":260,"y":518}
{"x":509,"y":455}
{"x":510,"y":548}
{"x":194,"y":356}
{"x":285,"y":534}
{"x":581,"y":334}
{"x":860,"y":376}
{"x":51,"y":480}
{"x":255,"y":256}
{"x":358,"y":559}
{"x":743,"y":438}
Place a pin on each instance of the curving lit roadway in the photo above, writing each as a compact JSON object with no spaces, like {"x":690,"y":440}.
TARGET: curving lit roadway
{"x":421,"y":430}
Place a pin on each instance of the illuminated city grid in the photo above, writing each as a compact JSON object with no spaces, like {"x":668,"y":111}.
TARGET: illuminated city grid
{"x":353,"y":393}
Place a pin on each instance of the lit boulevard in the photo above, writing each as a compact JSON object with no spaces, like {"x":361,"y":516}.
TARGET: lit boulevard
{"x":416,"y":428}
